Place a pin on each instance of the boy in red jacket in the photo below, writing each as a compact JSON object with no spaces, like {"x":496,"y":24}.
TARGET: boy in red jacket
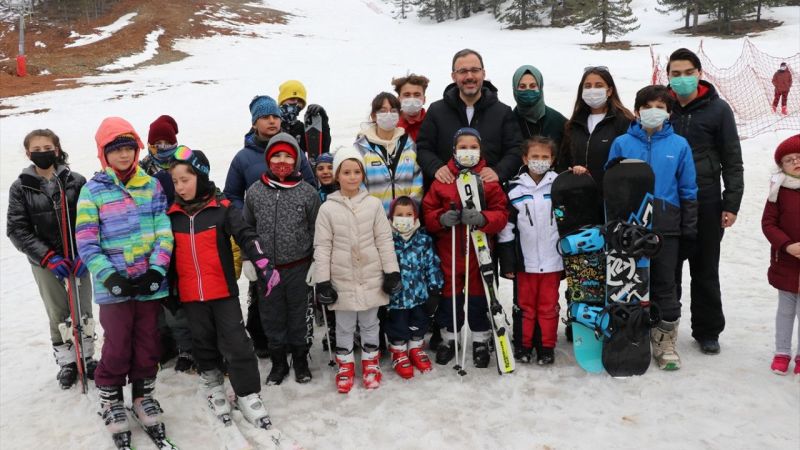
{"x":443,"y":214}
{"x":781,"y":226}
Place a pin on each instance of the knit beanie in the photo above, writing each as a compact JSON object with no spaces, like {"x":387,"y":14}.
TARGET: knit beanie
{"x":325,"y":158}
{"x":163,"y":129}
{"x":291,"y":89}
{"x":281,"y":147}
{"x":342,"y":155}
{"x":263,"y":105}
{"x":465,"y":131}
{"x":787,"y":147}
{"x":123,"y":140}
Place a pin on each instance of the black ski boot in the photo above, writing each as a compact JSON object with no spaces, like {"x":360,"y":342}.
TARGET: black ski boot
{"x":545,"y":356}
{"x":67,"y":375}
{"x":445,"y":352}
{"x":91,"y":366}
{"x":280,"y":368}
{"x":480,"y":354}
{"x":302,"y":374}
{"x":436,"y":337}
{"x":523,"y":354}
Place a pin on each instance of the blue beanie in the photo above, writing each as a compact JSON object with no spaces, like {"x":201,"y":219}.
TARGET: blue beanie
{"x":325,"y":158}
{"x":465,"y":131}
{"x":263,"y":105}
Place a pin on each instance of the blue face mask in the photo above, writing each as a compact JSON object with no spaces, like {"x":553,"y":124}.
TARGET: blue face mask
{"x":528,"y":97}
{"x":164,"y":153}
{"x":684,"y":86}
{"x":289,"y":112}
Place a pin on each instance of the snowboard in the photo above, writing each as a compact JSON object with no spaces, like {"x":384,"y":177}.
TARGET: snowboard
{"x":576,"y":208}
{"x":470,"y":191}
{"x":313,"y":137}
{"x":628,"y":198}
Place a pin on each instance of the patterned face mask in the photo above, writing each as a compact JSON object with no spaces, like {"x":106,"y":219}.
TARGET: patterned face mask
{"x":403,"y":224}
{"x":289,"y":112}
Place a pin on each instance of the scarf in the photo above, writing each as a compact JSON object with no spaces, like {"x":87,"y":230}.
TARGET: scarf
{"x":780,"y":180}
{"x":272,"y":181}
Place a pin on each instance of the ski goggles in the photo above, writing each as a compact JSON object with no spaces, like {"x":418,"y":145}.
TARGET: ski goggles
{"x":185,"y":154}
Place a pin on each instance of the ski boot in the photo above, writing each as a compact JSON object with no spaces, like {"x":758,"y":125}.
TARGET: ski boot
{"x":371,"y":367}
{"x":214,"y":384}
{"x":480,"y":354}
{"x":302,"y":374}
{"x":346,"y":375}
{"x":145,"y":407}
{"x":253,"y":410}
{"x":68,"y":368}
{"x":280,"y":368}
{"x":664,"y":337}
{"x":545,"y":356}
{"x":91,"y":366}
{"x":523,"y":354}
{"x":445,"y":352}
{"x":400,"y":361}
{"x":185,"y":362}
{"x":112,"y":411}
{"x":418,"y":356}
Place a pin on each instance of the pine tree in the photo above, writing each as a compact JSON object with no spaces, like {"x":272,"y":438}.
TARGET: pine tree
{"x":494,"y":6}
{"x":607,"y":17}
{"x":403,"y":8}
{"x":433,"y":9}
{"x":521,"y":13}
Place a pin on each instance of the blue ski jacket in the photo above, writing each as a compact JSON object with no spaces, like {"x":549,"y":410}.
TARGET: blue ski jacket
{"x":676,"y":187}
{"x":419,"y":268}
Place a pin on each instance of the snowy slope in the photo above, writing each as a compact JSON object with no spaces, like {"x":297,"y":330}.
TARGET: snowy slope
{"x":346,"y":52}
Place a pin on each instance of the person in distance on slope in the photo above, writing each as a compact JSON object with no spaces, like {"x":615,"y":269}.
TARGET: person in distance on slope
{"x":782,"y":80}
{"x":41,"y":217}
{"x":781,"y":225}
{"x":651,"y":138}
{"x":443,"y":210}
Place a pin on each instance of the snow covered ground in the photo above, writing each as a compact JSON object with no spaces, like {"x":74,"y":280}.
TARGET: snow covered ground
{"x":103,"y":32}
{"x":345,"y":53}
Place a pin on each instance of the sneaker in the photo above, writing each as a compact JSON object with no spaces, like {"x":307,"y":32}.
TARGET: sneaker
{"x":445,"y":352}
{"x":418,"y":357}
{"x":545,"y":356}
{"x":663,"y":338}
{"x":280,"y":368}
{"x":480,"y":354}
{"x":780,"y":364}
{"x":400,"y":362}
{"x":371,"y":369}
{"x":523,"y":354}
{"x":67,"y":375}
{"x":709,"y":346}
{"x":345,"y":377}
{"x":185,"y":363}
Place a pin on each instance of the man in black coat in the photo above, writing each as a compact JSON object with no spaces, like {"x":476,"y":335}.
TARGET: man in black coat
{"x":469,"y":102}
{"x":707,"y":122}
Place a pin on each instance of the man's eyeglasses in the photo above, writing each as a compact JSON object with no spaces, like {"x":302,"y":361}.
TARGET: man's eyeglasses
{"x":472,"y":70}
{"x":790,"y":160}
{"x":600,"y":68}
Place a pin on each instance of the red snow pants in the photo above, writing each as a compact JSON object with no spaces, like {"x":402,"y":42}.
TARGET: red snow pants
{"x":537,"y":296}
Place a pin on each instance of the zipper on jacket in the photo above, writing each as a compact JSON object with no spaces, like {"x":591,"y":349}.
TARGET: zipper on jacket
{"x":275,"y":228}
{"x":588,"y":142}
{"x":528,"y":213}
{"x":194,"y":257}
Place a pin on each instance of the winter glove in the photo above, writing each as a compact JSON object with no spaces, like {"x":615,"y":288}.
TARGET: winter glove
{"x":472,"y":217}
{"x":392,"y":283}
{"x":120,"y":286}
{"x":310,"y":275}
{"x":60,"y":267}
{"x":79,"y":268}
{"x":450,"y":219}
{"x":326,"y":295}
{"x":150,"y":282}
{"x":171,"y":303}
{"x":686,"y":248}
{"x":315,"y":110}
{"x":249,"y":271}
{"x":267,"y":274}
{"x":432,"y":304}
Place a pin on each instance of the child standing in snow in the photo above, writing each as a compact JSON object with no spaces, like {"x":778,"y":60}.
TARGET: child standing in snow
{"x":41,"y":218}
{"x":125,"y":238}
{"x":781,"y":226}
{"x":443,"y":210}
{"x":356,"y":267}
{"x":410,"y":308}
{"x":527,"y":250}
{"x":203,"y":223}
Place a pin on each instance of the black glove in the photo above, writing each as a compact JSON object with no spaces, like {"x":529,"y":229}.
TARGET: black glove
{"x":472,"y":217}
{"x":326,"y":295}
{"x":432,"y":303}
{"x":686,"y":248}
{"x":392,"y":283}
{"x":150,"y":282}
{"x":451,"y":218}
{"x":315,"y":110}
{"x":171,"y":303}
{"x":120,"y":286}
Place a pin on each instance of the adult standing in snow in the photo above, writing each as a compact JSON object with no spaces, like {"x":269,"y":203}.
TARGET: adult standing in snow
{"x":46,"y":193}
{"x":292,"y":100}
{"x":470,"y":101}
{"x":707,"y":122}
{"x":411,"y":93}
{"x":534,"y":116}
{"x":782,"y":80}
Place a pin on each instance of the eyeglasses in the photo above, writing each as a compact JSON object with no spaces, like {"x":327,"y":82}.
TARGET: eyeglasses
{"x":472,"y":70}
{"x":184,"y":153}
{"x":790,"y":159}
{"x":600,"y":68}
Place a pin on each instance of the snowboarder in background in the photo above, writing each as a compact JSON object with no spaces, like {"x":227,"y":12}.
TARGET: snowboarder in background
{"x":534,"y":116}
{"x":125,"y":239}
{"x":781,"y":225}
{"x":707,"y":122}
{"x":782,"y":80}
{"x":652,"y":139}
{"x":411,"y":93}
{"x":292,"y":100}
{"x":44,"y":190}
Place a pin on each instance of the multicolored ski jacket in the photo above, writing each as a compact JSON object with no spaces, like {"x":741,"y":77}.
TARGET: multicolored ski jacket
{"x":420,"y":270}
{"x":389,"y":178}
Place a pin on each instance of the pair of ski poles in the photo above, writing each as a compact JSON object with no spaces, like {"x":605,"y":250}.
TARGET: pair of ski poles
{"x":460,"y":363}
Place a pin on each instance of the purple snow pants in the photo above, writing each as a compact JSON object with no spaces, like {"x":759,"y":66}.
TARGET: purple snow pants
{"x":132,"y":345}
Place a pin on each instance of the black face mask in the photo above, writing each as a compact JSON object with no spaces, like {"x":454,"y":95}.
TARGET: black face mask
{"x":44,"y":160}
{"x":289,"y":112}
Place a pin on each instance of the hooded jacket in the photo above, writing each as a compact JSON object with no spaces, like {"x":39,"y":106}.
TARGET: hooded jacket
{"x":420,"y":269}
{"x":782,"y":80}
{"x":497,"y":124}
{"x":781,"y":225}
{"x":110,"y":128}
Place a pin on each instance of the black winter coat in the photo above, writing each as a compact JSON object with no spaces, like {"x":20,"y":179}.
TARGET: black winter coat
{"x":34,"y":216}
{"x":497,"y":124}
{"x":581,"y":148}
{"x":708,"y":124}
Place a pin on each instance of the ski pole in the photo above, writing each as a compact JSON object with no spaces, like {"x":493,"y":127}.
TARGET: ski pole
{"x":466,"y":302}
{"x":327,"y":329}
{"x":453,"y":291}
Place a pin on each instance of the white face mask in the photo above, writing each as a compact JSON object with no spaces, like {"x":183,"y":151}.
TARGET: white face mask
{"x":468,"y":157}
{"x":652,"y":117}
{"x":539,"y":166}
{"x":403,"y":224}
{"x":411,"y":106}
{"x":595,"y":97}
{"x":387,"y":121}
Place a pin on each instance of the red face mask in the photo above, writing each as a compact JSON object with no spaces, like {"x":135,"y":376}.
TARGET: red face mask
{"x":281,"y":169}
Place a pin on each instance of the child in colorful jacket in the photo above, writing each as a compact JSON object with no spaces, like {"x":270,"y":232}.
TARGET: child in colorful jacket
{"x":422,"y":280}
{"x":125,"y":239}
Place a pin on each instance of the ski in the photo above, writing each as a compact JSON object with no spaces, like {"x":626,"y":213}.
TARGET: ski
{"x":277,"y":440}
{"x":470,"y":192}
{"x":227,"y":431}
{"x":157,"y":433}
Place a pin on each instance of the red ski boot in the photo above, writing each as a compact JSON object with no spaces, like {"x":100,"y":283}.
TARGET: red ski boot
{"x":400,"y":361}
{"x":418,"y":356}
{"x":346,"y":375}
{"x":371,"y":369}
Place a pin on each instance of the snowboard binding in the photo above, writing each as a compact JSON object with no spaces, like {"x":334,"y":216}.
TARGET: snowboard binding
{"x":595,"y":318}
{"x":585,"y":240}
{"x":632,"y":240}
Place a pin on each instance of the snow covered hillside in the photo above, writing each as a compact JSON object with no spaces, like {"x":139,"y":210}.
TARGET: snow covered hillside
{"x":346,"y":52}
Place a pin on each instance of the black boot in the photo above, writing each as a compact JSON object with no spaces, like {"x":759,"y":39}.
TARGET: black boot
{"x":523,"y":354}
{"x":445,"y":352}
{"x":545,"y":356}
{"x":302,"y":374}
{"x":67,"y":375}
{"x":480,"y":354}
{"x":436,"y":337}
{"x":280,"y":368}
{"x":91,"y":366}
